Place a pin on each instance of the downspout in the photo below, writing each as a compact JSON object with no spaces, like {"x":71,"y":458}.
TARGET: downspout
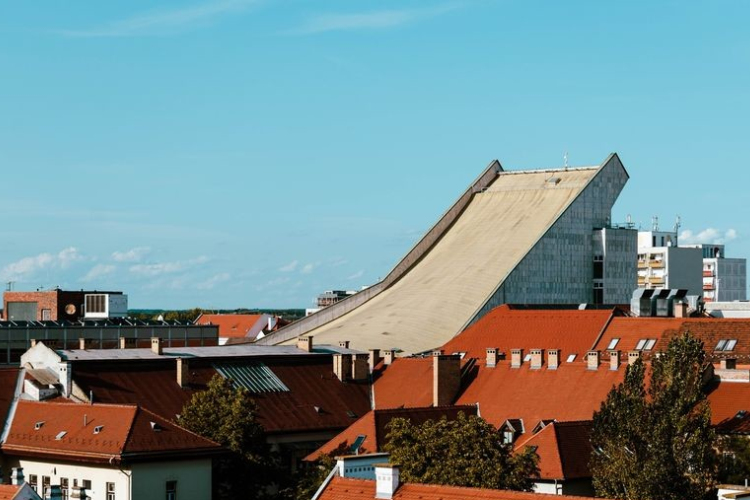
{"x":129,"y":476}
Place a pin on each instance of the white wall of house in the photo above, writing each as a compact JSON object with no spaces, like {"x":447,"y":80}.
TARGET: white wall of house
{"x":98,"y":475}
{"x":193,"y":479}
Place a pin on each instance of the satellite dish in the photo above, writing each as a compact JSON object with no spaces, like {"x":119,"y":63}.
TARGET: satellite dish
{"x":70,"y":309}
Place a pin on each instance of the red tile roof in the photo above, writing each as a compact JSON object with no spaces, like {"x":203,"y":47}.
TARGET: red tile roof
{"x":98,"y":433}
{"x":373,"y":427}
{"x":341,"y":488}
{"x":405,"y":382}
{"x":9,"y":491}
{"x":564,"y":449}
{"x":231,"y":325}
{"x":8,"y":380}
{"x":570,"y":330}
{"x":730,"y":406}
{"x":310,"y":380}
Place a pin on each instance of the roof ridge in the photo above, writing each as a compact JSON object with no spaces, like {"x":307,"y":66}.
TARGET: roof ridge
{"x":129,"y":434}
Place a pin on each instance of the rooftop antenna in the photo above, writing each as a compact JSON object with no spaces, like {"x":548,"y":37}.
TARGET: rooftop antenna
{"x":677,"y":223}
{"x":565,"y":158}
{"x":629,"y":222}
{"x":9,"y":286}
{"x":655,"y":223}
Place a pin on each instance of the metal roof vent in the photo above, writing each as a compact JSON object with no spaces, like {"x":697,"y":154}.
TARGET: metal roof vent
{"x":98,"y":429}
{"x":38,"y":425}
{"x":155,"y":427}
{"x":60,"y":435}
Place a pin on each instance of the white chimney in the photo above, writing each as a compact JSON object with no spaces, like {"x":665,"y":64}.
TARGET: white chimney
{"x":553,"y":359}
{"x":305,"y":343}
{"x":633,"y":356}
{"x":614,"y":360}
{"x":388,"y":357}
{"x":593,"y":360}
{"x":373,"y":359}
{"x":82,"y":343}
{"x":16,"y":476}
{"x":536,"y":359}
{"x":491,"y":357}
{"x":386,"y":480}
{"x":156,"y":345}
{"x":516,"y":358}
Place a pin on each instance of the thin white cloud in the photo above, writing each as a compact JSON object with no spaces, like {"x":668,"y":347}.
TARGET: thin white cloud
{"x":160,"y":268}
{"x":28,"y":267}
{"x":289,"y":267}
{"x":98,"y":271}
{"x":211,"y":282}
{"x":373,"y":20}
{"x":164,"y":22}
{"x":356,"y":275}
{"x":132,"y":255}
{"x":308,"y":268}
{"x":707,"y":236}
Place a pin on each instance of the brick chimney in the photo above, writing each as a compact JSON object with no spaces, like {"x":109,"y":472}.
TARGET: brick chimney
{"x":373,"y":359}
{"x":360,"y":367}
{"x":491,"y":357}
{"x":592,"y":360}
{"x":536,"y":359}
{"x":344,"y":344}
{"x":123,"y":343}
{"x":728,"y":364}
{"x":342,"y":366}
{"x":183,"y":372}
{"x":633,"y":356}
{"x":305,"y":343}
{"x":446,"y":378}
{"x":553,"y":359}
{"x":388,"y":357}
{"x":81,"y":343}
{"x":614,"y":360}
{"x":386,"y":480}
{"x":16,"y":476}
{"x":156,"y":345}
{"x":680,"y":310}
{"x":516,"y":358}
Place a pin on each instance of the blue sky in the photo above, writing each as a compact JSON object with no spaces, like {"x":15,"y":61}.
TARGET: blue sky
{"x":253,"y":153}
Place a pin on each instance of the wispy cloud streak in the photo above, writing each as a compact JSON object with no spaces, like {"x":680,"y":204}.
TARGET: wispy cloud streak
{"x":368,"y":20}
{"x":164,"y":22}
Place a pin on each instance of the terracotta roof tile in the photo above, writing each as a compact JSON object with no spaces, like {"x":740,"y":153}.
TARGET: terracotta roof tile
{"x":360,"y":489}
{"x":391,"y":391}
{"x":96,"y":432}
{"x":730,"y":406}
{"x":8,"y":491}
{"x":564,"y":449}
{"x":373,"y":427}
{"x":231,"y":325}
{"x":506,"y":328}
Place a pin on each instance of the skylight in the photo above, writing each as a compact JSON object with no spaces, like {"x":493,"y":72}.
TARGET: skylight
{"x":60,"y":435}
{"x":726,"y":345}
{"x":612,"y":344}
{"x":571,"y":358}
{"x":645,"y":344}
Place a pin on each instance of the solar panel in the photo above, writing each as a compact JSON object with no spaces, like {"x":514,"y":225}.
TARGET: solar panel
{"x":255,"y":377}
{"x":357,"y":444}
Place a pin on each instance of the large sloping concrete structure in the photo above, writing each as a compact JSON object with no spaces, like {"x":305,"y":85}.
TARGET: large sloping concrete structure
{"x":512,"y":237}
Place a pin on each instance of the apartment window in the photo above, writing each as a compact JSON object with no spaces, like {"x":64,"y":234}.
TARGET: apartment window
{"x":171,"y":490}
{"x":598,"y":270}
{"x":110,"y":491}
{"x":612,"y":344}
{"x":33,"y":482}
{"x":46,"y":315}
{"x":86,"y":484}
{"x":64,"y":487}
{"x":96,"y":303}
{"x":45,"y":486}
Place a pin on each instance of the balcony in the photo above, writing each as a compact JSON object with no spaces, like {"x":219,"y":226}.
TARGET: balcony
{"x":708,"y":274}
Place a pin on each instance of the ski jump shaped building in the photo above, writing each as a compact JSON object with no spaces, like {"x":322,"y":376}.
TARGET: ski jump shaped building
{"x":515,"y":237}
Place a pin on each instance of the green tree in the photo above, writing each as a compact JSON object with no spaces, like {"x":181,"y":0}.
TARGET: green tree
{"x":467,"y":451}
{"x":227,"y":415}
{"x":657,"y":443}
{"x":734,"y":463}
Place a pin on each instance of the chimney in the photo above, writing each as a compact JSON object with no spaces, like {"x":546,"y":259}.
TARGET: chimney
{"x":633,"y":356}
{"x":360,"y":367}
{"x":16,"y":476}
{"x":491,"y":357}
{"x":55,"y":492}
{"x":156,"y":345}
{"x":386,"y":480}
{"x":388,"y":357}
{"x":33,"y":342}
{"x":680,"y":310}
{"x":122,"y":343}
{"x":728,"y":364}
{"x":342,"y":366}
{"x":78,"y":492}
{"x":66,"y":378}
{"x":592,"y":359}
{"x":536,"y":359}
{"x":305,"y":343}
{"x":516,"y":358}
{"x":373,"y":359}
{"x":344,"y":344}
{"x":614,"y":360}
{"x":183,"y":372}
{"x":446,"y":378}
{"x":82,"y":343}
{"x":553,"y":359}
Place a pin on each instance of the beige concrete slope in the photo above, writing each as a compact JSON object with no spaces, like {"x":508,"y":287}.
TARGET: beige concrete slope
{"x":435,"y":299}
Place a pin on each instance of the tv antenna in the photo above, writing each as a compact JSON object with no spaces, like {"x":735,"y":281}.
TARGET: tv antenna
{"x":9,"y":286}
{"x":565,"y":159}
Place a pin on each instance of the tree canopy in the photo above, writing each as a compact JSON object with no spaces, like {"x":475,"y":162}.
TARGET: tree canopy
{"x":227,"y":415}
{"x":657,"y":442}
{"x":467,"y":451}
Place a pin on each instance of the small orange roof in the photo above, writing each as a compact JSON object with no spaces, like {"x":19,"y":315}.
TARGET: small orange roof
{"x":97,"y":432}
{"x":231,"y":325}
{"x":9,"y":491}
{"x":341,"y":488}
{"x":405,"y":382}
{"x":564,"y":449}
{"x":730,"y":406}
